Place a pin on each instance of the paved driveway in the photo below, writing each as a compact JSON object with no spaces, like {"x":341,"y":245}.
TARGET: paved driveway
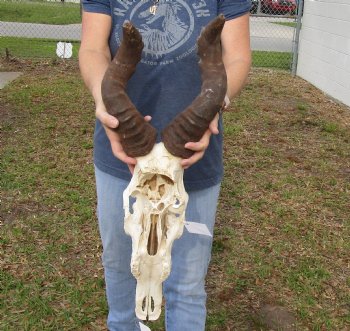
{"x":265,"y":34}
{"x":31,"y":30}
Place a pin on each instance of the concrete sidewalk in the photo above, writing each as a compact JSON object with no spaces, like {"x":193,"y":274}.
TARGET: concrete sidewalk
{"x":7,"y":77}
{"x":48,"y":31}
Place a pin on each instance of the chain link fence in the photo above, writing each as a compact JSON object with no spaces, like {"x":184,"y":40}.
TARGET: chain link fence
{"x":40,"y":29}
{"x":275,"y":26}
{"x":49,"y":29}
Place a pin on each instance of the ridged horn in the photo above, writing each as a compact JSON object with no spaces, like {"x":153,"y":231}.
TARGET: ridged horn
{"x":191,"y":124}
{"x":137,"y":136}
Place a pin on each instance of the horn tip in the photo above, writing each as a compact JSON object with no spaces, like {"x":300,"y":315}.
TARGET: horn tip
{"x":129,"y":28}
{"x":127,"y":24}
{"x":131,"y":34}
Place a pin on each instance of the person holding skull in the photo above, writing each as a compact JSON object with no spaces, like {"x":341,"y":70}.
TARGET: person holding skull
{"x":167,"y":79}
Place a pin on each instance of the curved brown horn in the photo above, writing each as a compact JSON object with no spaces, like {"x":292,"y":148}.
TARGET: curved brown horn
{"x":136,"y":135}
{"x":191,"y":124}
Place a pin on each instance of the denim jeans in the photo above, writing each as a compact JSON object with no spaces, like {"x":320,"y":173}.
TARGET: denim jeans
{"x":184,"y":292}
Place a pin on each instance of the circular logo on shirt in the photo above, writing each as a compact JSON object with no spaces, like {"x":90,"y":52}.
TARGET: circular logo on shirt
{"x":165,"y":31}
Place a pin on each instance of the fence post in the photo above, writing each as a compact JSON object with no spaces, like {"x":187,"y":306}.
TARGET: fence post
{"x":296,"y":37}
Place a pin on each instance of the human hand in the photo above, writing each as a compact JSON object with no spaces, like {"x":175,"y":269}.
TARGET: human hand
{"x":200,"y":146}
{"x":109,"y":123}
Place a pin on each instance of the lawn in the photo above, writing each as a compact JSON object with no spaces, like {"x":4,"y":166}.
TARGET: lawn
{"x":33,"y":47}
{"x":277,"y":60}
{"x":40,"y":12}
{"x":290,"y":24}
{"x":46,"y":48}
{"x":283,"y":227}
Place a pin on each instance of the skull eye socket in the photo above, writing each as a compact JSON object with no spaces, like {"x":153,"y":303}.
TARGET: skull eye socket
{"x":176,"y":204}
{"x":132,"y":201}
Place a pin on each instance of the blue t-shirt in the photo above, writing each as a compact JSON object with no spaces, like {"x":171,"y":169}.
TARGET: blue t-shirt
{"x":168,"y":77}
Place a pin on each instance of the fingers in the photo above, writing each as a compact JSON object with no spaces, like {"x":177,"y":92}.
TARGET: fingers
{"x":186,"y":163}
{"x":107,"y":119}
{"x":131,"y":168}
{"x":117,"y":148}
{"x":121,"y":155}
{"x":200,"y":145}
{"x":148,"y":118}
{"x":109,"y":122}
{"x":213,"y":126}
{"x":199,"y":148}
{"x":114,"y":138}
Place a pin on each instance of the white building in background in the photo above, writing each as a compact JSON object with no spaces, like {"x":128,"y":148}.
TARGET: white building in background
{"x":324,"y":51}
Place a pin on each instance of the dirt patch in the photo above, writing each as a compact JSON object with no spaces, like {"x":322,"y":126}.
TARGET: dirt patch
{"x":276,"y":318}
{"x":37,"y":66}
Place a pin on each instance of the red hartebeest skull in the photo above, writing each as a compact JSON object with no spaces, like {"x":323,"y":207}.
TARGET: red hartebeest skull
{"x":157,"y":217}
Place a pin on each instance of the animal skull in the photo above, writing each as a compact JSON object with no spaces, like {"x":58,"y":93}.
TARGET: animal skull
{"x":154,"y":221}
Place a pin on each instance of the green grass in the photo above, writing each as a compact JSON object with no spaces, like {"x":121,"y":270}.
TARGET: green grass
{"x":283,"y":216}
{"x":40,"y":12}
{"x":290,"y":24}
{"x":289,"y":202}
{"x":278,"y":60}
{"x":46,"y":48}
{"x":32,"y":47}
{"x":51,"y":291}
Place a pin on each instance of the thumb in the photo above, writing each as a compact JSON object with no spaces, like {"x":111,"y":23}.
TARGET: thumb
{"x":213,"y":126}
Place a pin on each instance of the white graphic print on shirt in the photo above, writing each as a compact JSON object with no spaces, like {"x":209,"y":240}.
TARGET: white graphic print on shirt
{"x":164,"y":33}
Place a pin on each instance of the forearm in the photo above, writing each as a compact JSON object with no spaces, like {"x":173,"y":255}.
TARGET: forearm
{"x":93,"y":65}
{"x":237,"y":73}
{"x":235,"y":41}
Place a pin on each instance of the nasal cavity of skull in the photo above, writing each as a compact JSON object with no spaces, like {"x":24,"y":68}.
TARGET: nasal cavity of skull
{"x":152,"y":244}
{"x":158,"y":183}
{"x":152,"y":305}
{"x":151,"y":302}
{"x":161,"y":190}
{"x":152,"y":183}
{"x":154,"y":188}
{"x":144,"y":301}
